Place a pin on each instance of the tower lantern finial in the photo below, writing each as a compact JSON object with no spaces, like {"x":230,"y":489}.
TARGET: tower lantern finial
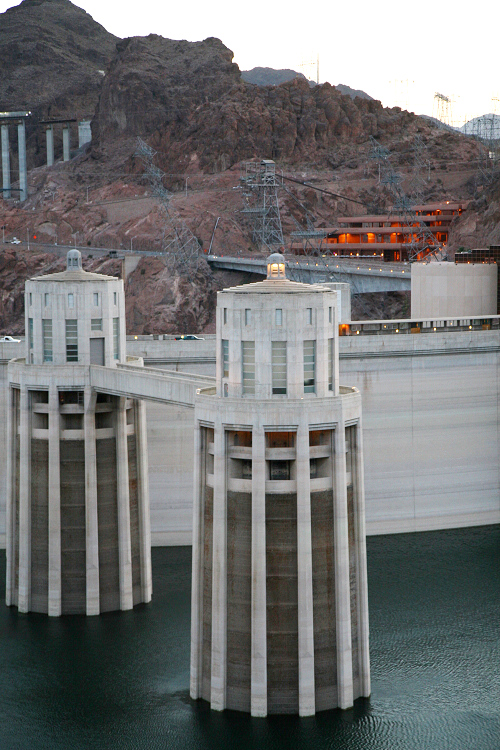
{"x":74,"y":260}
{"x":276,"y":267}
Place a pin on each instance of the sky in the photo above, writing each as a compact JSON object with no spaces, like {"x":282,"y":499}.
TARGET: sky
{"x":401,"y":53}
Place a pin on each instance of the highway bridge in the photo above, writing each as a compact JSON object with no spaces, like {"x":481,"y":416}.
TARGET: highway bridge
{"x":364,"y":275}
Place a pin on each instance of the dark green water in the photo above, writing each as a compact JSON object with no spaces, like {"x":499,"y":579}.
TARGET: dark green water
{"x":120,"y":681}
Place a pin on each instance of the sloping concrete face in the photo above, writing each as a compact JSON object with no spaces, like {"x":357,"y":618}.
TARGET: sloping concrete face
{"x":445,"y":290}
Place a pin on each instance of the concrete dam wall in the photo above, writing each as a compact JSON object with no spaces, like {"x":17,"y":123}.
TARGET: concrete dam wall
{"x":430,"y":416}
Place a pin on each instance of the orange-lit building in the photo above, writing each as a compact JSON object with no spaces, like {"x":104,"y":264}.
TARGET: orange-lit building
{"x":385,"y":235}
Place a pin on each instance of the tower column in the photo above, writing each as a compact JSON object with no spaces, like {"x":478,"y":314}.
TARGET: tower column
{"x":65,"y":133}
{"x":49,"y":139}
{"x":5,"y":160}
{"x":258,"y":702}
{"x":197,"y":572}
{"x":91,"y":518}
{"x":124,"y":540}
{"x":23,"y":174}
{"x":363,"y":620}
{"x":24,"y":504}
{"x":219,"y":572}
{"x":342,"y":578}
{"x":143,"y":490}
{"x":9,"y":509}
{"x":55,"y":601}
{"x":307,"y":701}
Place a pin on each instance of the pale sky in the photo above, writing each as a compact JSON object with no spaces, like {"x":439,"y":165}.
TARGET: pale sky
{"x":400,"y":53}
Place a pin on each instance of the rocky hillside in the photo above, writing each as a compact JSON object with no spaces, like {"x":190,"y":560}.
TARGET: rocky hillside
{"x":53,"y":56}
{"x":188,"y":100}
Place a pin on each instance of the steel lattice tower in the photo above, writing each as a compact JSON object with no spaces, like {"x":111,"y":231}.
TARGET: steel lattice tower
{"x":261,"y":203}
{"x":179,"y":245}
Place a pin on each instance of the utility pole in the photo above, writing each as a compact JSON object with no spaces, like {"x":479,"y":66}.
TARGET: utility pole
{"x":28,"y":236}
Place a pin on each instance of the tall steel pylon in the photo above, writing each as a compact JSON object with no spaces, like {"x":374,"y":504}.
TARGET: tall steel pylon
{"x":260,"y":183}
{"x":180,"y":247}
{"x":422,"y":239}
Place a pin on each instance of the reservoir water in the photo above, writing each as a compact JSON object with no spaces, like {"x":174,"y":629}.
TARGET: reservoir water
{"x":120,"y":681}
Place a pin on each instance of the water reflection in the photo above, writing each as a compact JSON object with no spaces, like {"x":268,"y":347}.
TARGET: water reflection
{"x":121,"y":680}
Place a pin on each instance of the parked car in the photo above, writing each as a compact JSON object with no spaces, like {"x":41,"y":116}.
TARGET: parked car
{"x":9,"y":340}
{"x":189,"y":337}
{"x":15,"y":241}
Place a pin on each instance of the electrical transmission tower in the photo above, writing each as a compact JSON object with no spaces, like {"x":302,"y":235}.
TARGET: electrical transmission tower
{"x":180,"y":247}
{"x":422,"y":242}
{"x":261,"y":183}
{"x":420,"y":165}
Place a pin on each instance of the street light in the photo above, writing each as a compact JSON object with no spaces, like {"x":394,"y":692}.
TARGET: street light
{"x":132,"y":238}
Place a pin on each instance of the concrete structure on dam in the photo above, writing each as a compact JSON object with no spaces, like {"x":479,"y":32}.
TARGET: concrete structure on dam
{"x":279,"y":615}
{"x":77,"y":505}
{"x":430,"y":416}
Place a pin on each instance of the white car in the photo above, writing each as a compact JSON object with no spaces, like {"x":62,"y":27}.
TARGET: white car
{"x":15,"y":241}
{"x":9,"y":340}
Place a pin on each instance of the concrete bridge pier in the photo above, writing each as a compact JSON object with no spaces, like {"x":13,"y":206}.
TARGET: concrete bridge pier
{"x":23,"y":173}
{"x":5,"y":161}
{"x":66,"y":149}
{"x":49,"y":137}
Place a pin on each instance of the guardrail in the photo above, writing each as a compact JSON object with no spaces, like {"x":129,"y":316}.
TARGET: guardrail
{"x":402,"y":326}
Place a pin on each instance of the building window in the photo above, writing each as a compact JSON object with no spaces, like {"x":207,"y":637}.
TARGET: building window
{"x":96,"y":298}
{"x":309,"y":316}
{"x":116,"y":338}
{"x":115,"y":298}
{"x":246,"y":469}
{"x":30,"y":333}
{"x":46,"y":298}
{"x":71,"y":300}
{"x":71,"y":341}
{"x":225,"y":315}
{"x":31,"y":298}
{"x":278,"y":318}
{"x":96,"y":324}
{"x":330,"y":364}
{"x":248,"y":366}
{"x":248,"y":317}
{"x":330,"y":314}
{"x":47,"y":340}
{"x":278,"y":362}
{"x":309,"y":366}
{"x":279,"y":471}
{"x":225,"y":358}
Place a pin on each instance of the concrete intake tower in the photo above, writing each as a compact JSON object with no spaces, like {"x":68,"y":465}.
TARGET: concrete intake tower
{"x":78,"y":531}
{"x":279,"y":595}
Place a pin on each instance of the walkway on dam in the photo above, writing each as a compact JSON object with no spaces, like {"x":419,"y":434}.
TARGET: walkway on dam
{"x":152,"y":384}
{"x":364,"y":274}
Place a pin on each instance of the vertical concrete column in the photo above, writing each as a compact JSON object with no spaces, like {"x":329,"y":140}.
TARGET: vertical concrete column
{"x":359,"y":520}
{"x":65,"y":134}
{"x":10,"y":498}
{"x":23,"y":173}
{"x":258,"y":702}
{"x":307,"y":701}
{"x":342,"y":578}
{"x":5,"y":161}
{"x":197,"y":566}
{"x":24,"y":504}
{"x":144,"y":513}
{"x":219,"y":572}
{"x":124,"y":540}
{"x":55,"y":601}
{"x":91,"y":518}
{"x":49,"y":139}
